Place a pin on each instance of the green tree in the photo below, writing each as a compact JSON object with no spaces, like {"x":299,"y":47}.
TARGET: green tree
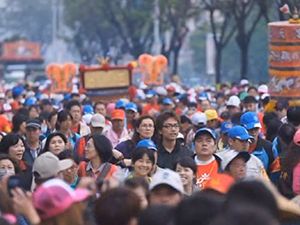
{"x":126,"y":25}
{"x":222,"y":27}
{"x":30,"y":19}
{"x":247,"y":14}
{"x":175,"y":15}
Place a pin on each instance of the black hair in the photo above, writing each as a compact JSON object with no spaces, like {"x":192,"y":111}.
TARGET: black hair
{"x":286,"y":133}
{"x":72,"y":103}
{"x":187,"y":162}
{"x":252,"y":192}
{"x":7,"y":157}
{"x":252,"y":87}
{"x":65,"y":154}
{"x":185,"y":119}
{"x":136,"y":136}
{"x":17,"y":121}
{"x":8,"y":141}
{"x":225,"y":115}
{"x":53,"y":113}
{"x":268,"y":117}
{"x":49,"y":138}
{"x":138,"y":153}
{"x":272,"y":129}
{"x":197,"y":209}
{"x":136,"y":182}
{"x":235,"y":119}
{"x":157,"y":214}
{"x":61,"y":117}
{"x":103,"y":147}
{"x":116,"y":207}
{"x":165,"y":116}
{"x":293,"y":115}
{"x":246,"y":214}
{"x":249,"y":99}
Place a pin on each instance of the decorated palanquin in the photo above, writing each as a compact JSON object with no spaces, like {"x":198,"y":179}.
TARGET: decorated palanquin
{"x":61,"y":76}
{"x":105,"y":82}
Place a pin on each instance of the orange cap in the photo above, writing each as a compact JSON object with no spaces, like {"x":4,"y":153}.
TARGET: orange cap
{"x":118,"y":114}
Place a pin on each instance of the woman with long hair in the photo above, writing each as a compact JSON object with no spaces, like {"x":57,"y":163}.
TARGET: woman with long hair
{"x":98,"y":151}
{"x":289,"y":181}
{"x":55,"y":143}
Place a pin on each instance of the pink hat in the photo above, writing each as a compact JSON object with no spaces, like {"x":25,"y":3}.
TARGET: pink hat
{"x":55,"y":196}
{"x":297,"y":138}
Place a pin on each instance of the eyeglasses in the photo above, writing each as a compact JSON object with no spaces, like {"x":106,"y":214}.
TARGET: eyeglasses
{"x":169,"y":126}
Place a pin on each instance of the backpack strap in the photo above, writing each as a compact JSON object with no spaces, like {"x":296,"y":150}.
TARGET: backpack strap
{"x":105,"y":171}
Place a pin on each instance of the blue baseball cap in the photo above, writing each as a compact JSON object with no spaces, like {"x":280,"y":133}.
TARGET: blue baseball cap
{"x":167,"y":101}
{"x":30,"y":101}
{"x":17,"y":91}
{"x":225,"y":127}
{"x":131,"y":106}
{"x":150,"y":93}
{"x":203,"y":96}
{"x":88,"y":109}
{"x":250,"y":120}
{"x":120,"y":104}
{"x":239,"y":132}
{"x":205,"y":130}
{"x":146,"y":143}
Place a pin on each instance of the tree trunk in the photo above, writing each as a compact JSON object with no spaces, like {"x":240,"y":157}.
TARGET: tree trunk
{"x":175,"y":60}
{"x":244,"y":59}
{"x":218,"y":64}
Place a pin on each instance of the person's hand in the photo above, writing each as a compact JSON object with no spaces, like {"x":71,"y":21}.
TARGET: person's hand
{"x":22,"y":203}
{"x":118,"y":155}
{"x":89,"y":184}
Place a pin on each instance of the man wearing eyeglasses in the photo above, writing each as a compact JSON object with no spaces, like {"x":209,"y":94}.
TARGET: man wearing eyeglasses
{"x":169,"y":148}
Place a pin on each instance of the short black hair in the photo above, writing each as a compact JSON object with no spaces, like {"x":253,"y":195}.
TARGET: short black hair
{"x":187,"y":162}
{"x":116,"y":207}
{"x":165,"y":116}
{"x":138,"y":153}
{"x":282,"y":104}
{"x":249,"y":99}
{"x":252,"y":192}
{"x":197,"y":209}
{"x":72,"y":103}
{"x":293,"y":115}
{"x":157,"y":214}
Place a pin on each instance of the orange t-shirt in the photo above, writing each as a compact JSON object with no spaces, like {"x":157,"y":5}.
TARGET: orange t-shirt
{"x":206,"y":172}
{"x":5,"y":125}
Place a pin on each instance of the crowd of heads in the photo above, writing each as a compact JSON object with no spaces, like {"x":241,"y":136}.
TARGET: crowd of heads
{"x":168,"y":155}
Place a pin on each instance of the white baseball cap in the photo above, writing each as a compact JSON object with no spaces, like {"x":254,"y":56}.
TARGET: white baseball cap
{"x":233,"y":101}
{"x":167,"y":177}
{"x":230,"y":155}
{"x":199,"y":118}
{"x":98,"y":120}
{"x":263,"y":89}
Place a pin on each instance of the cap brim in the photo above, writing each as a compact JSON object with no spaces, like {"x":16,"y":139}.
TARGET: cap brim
{"x":98,"y":125}
{"x":65,"y":164}
{"x":250,"y":126}
{"x":166,"y":184}
{"x":205,"y":132}
{"x":117,"y":118}
{"x":80,"y":195}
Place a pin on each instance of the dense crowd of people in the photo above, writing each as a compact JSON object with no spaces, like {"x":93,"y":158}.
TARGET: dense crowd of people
{"x":166,"y":155}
